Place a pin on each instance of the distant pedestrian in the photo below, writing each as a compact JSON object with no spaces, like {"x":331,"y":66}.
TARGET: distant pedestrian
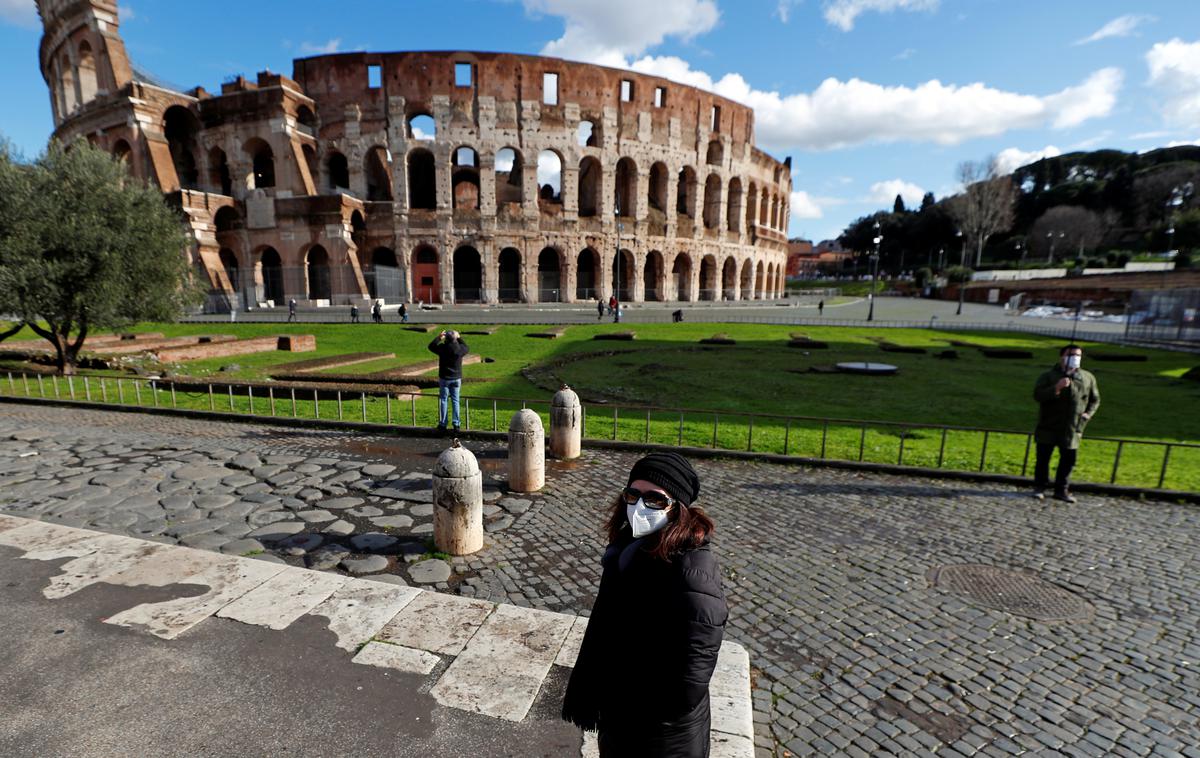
{"x":292,"y":309}
{"x":354,"y":314}
{"x":403,"y":313}
{"x":612,"y":304}
{"x":1068,"y":397}
{"x":450,"y":349}
{"x":599,"y":309}
{"x":377,"y":312}
{"x":677,"y":316}
{"x":642,"y":675}
{"x":821,"y":308}
{"x":617,"y":313}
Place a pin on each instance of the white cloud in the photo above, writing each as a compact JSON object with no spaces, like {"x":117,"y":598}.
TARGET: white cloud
{"x":885,"y":192}
{"x":606,"y":32}
{"x":19,"y":12}
{"x":1175,"y":72}
{"x":1122,"y":26}
{"x":842,"y":13}
{"x":783,"y":11}
{"x":844,"y":113}
{"x":1183,"y":143}
{"x":1157,"y":134}
{"x":904,"y":54}
{"x":804,"y":205}
{"x":1013,"y":158}
{"x":327,"y":48}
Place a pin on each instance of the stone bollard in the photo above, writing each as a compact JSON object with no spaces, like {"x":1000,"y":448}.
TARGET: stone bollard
{"x":565,"y":424}
{"x":457,"y":502}
{"x":526,"y":452}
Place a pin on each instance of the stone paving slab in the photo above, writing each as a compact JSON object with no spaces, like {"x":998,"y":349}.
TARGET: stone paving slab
{"x":397,"y":657}
{"x":441,"y":624}
{"x":283,"y":598}
{"x":358,"y":610}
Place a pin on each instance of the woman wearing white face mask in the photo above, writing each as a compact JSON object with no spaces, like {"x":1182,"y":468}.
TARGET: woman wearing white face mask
{"x":651,"y":644}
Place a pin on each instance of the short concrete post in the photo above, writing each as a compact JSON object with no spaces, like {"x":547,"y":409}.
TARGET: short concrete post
{"x":526,"y":452}
{"x":566,"y":428}
{"x":457,"y":502}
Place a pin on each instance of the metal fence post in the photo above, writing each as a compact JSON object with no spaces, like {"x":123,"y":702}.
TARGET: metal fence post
{"x":271,"y":399}
{"x":824,"y":437}
{"x":173,"y":402}
{"x":614,"y":420}
{"x":316,"y":405}
{"x":25,"y":381}
{"x":120,"y":391}
{"x":983,"y":453}
{"x":137,"y":392}
{"x":900,"y":458}
{"x":212,"y":401}
{"x":54,"y":383}
{"x":71,"y":386}
{"x":862,"y":442}
{"x":647,"y":437}
{"x":230,"y":388}
{"x":388,"y":405}
{"x":339,"y":399}
{"x":942,"y":450}
{"x":413,"y":399}
{"x":750,"y":436}
{"x":293,"y":402}
{"x":494,"y":419}
{"x":1162,"y":475}
{"x":103,"y":392}
{"x":364,"y":406}
{"x":87,"y":389}
{"x":42,"y":386}
{"x":679,"y":440}
{"x":1116,"y":463}
{"x":250,"y":395}
{"x":467,"y":413}
{"x":154,"y":391}
{"x":12,"y":386}
{"x":1025,"y":462}
{"x":715,"y":421}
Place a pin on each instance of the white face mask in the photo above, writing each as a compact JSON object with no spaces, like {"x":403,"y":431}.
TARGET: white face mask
{"x":645,"y":520}
{"x":1073,"y":362}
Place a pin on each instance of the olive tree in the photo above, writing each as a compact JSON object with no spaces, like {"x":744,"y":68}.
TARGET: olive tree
{"x":93,"y":249}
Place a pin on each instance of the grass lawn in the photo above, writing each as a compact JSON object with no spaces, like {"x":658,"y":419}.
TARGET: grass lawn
{"x":667,"y":368}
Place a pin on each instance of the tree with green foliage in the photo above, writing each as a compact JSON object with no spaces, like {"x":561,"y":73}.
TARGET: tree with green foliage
{"x":898,"y":205}
{"x":89,"y":249}
{"x":13,"y":187}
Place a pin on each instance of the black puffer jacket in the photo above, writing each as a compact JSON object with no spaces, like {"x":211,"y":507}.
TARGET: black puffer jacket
{"x":649,"y":652}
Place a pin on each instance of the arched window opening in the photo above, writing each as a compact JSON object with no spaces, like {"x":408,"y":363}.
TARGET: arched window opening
{"x":180,"y":126}
{"x":682,"y":271}
{"x":421,"y":126}
{"x":510,"y":276}
{"x":229,"y":262}
{"x":760,"y":281}
{"x":764,"y":207}
{"x":587,"y":275}
{"x":626,"y":188}
{"x":549,"y":276}
{"x":622,"y":279}
{"x":317,"y":268}
{"x":652,"y":276}
{"x":70,"y":96}
{"x":379,"y":178}
{"x":358,"y":229}
{"x":271,"y":271}
{"x":510,"y":170}
{"x":751,"y":207}
{"x":227,"y":219}
{"x":123,"y":154}
{"x":716,"y":153}
{"x":708,"y":278}
{"x":549,"y":178}
{"x":306,"y":120}
{"x":422,"y":181}
{"x":339,"y":171}
{"x":468,"y":275}
{"x":590,"y":176}
{"x":310,"y":160}
{"x":734,"y":213}
{"x":712,"y":202}
{"x":587,"y":135}
{"x":685,"y":193}
{"x":262,"y":160}
{"x":658,"y":187}
{"x":465,"y":179}
{"x":88,"y":86}
{"x":747,"y":281}
{"x":427,"y":282}
{"x":729,"y":279}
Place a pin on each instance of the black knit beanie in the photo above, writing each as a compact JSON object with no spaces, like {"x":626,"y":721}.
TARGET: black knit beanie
{"x":670,"y":471}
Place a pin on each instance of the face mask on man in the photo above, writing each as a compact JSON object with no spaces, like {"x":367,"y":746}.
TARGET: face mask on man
{"x":645,"y":520}
{"x":1073,"y":362}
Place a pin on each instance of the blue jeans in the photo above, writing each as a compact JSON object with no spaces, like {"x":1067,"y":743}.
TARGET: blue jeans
{"x":448,"y":388}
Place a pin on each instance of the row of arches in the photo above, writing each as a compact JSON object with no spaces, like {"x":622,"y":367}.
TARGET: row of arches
{"x":468,"y":276}
{"x":76,"y":73}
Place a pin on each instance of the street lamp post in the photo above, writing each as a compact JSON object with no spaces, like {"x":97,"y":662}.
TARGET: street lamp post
{"x":1021,"y":256}
{"x":1053,"y":238}
{"x":962,"y":285}
{"x":1078,"y":312}
{"x":874,"y":272}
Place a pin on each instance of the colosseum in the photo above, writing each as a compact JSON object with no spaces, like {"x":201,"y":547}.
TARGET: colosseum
{"x":435,"y":177}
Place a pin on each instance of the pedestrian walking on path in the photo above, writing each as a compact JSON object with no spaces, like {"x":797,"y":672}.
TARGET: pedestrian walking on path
{"x":292,"y":309}
{"x":354,"y":314}
{"x":642,"y":675}
{"x":377,"y":312}
{"x":1068,"y":398}
{"x":403,"y":313}
{"x":450,"y":350}
{"x":599,"y":309}
{"x":821,"y":308}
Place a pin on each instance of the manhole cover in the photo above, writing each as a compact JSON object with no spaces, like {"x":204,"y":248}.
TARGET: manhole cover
{"x":1017,"y":592}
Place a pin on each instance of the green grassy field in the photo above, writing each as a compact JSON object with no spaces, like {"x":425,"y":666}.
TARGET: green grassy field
{"x":666,"y":370}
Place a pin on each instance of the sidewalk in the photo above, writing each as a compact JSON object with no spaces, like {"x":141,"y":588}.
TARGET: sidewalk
{"x":222,"y":654}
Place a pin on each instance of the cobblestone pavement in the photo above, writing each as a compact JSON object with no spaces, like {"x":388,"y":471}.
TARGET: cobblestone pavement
{"x":858,"y":646}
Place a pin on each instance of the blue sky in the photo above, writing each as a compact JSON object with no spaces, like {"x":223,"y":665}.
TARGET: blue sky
{"x":869,"y":97}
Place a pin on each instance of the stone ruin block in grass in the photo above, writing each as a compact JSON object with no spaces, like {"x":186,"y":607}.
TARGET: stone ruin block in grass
{"x":803,"y":341}
{"x":1005,"y":353}
{"x":548,"y":334}
{"x":423,"y":328}
{"x":720,"y":338}
{"x":1118,"y":357}
{"x":485,"y":331}
{"x":618,"y":336}
{"x":947,"y":355}
{"x":222,"y":348}
{"x":297,"y":343}
{"x":1193,"y":374}
{"x":892,"y":347}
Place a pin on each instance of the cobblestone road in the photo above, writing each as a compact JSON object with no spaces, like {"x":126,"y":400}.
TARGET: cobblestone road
{"x":828,"y":573}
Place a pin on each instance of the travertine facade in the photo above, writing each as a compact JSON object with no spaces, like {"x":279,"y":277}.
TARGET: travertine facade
{"x":440,"y":177}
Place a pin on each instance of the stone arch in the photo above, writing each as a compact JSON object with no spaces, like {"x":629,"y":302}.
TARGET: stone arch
{"x":625,"y":194}
{"x":377,"y":175}
{"x":510,"y":275}
{"x":229,"y":262}
{"x":70,"y":96}
{"x":746,"y":285}
{"x":262,"y":164}
{"x":715,"y":155}
{"x":685,"y":193}
{"x":764,"y":206}
{"x":421,"y":126}
{"x":426,"y":274}
{"x":734,"y":210}
{"x":181,"y":127}
{"x":681,"y":270}
{"x":317,"y":278}
{"x":587,"y":134}
{"x":590,"y":181}
{"x":549,"y":173}
{"x":468,"y":275}
{"x":122,"y":153}
{"x":624,"y":271}
{"x":760,"y":282}
{"x":337,"y":168}
{"x":269,"y":270}
{"x":587,"y":275}
{"x":657,"y":191}
{"x":653,"y":278}
{"x":219,"y":177}
{"x":464,"y":178}
{"x":708,"y":278}
{"x":729,"y":279}
{"x":712,"y":202}
{"x":752,"y":207}
{"x":88,"y":84}
{"x":510,"y":178}
{"x":422,"y":180}
{"x":307,"y":119}
{"x":227,"y":219}
{"x":549,"y":271}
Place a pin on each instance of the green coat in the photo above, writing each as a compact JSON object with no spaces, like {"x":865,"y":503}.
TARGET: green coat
{"x":1060,"y":419}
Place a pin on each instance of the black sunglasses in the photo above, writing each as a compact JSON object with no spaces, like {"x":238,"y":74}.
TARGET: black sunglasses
{"x":652,"y":498}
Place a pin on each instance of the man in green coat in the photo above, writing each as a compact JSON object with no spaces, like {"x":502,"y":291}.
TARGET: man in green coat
{"x":1068,"y":397}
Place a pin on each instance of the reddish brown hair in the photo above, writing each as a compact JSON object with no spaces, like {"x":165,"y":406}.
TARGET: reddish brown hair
{"x":687,"y":527}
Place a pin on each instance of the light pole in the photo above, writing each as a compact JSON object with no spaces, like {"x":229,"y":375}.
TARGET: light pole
{"x":617,"y":276}
{"x":941,"y":259}
{"x":1078,"y":311}
{"x":962,"y":285}
{"x":874,"y":272}
{"x":1020,"y":256}
{"x":1051,"y":236}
